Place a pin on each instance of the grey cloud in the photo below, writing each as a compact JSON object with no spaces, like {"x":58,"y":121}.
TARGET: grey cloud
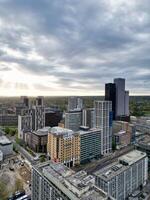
{"x":94,"y":41}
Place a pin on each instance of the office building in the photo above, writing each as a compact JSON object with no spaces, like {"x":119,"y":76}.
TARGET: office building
{"x":52,"y":117}
{"x":120,"y":179}
{"x":37,"y":140}
{"x":103,"y":121}
{"x":88,"y":117}
{"x":126,"y":109}
{"x":75,"y":103}
{"x":122,"y":98}
{"x":54,"y":181}
{"x":64,"y":146}
{"x":73,"y":120}
{"x":127,"y":127}
{"x":90,"y":144}
{"x":110,"y":95}
{"x":6,"y":146}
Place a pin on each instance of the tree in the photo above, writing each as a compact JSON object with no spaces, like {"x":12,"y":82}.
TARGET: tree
{"x":7,"y":130}
{"x":18,"y":185}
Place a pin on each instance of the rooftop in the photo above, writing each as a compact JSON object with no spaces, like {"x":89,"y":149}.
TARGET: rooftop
{"x":144,"y":140}
{"x":119,"y":166}
{"x":44,"y":131}
{"x":82,"y":132}
{"x":4,"y":140}
{"x":61,"y":131}
{"x":77,"y":186}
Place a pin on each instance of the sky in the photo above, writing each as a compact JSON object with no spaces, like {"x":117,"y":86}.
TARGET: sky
{"x":73,"y":47}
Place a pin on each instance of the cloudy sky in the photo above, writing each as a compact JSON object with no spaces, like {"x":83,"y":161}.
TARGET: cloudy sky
{"x":73,"y":47}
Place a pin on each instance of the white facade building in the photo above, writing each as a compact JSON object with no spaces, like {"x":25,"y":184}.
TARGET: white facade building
{"x":120,"y":179}
{"x":103,"y":120}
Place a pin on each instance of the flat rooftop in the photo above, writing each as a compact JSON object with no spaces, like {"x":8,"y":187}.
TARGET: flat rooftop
{"x":42,"y":132}
{"x":132,"y":157}
{"x":61,"y":131}
{"x":82,"y":132}
{"x":119,"y":166}
{"x":4,"y":140}
{"x":144,"y":140}
{"x":70,"y":183}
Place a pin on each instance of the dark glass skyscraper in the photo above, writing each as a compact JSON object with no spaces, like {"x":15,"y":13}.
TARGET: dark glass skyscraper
{"x":110,"y":95}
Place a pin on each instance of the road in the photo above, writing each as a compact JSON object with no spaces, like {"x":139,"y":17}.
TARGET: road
{"x":99,"y":164}
{"x":21,"y":150}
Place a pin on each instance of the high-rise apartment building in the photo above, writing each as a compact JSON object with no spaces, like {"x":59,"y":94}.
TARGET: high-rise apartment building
{"x":110,"y":95}
{"x":64,"y":146}
{"x":32,"y":118}
{"x":103,"y":120}
{"x":24,"y":125}
{"x":123,"y":177}
{"x":73,"y":120}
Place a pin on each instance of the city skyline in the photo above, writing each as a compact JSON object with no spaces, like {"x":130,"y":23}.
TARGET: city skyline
{"x":51,"y":48}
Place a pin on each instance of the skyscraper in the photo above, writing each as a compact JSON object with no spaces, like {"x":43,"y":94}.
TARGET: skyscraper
{"x":103,"y":120}
{"x":122,"y":98}
{"x":110,"y":95}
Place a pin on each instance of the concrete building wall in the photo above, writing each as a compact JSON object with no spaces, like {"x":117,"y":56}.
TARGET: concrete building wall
{"x":120,"y":96}
{"x":103,"y":120}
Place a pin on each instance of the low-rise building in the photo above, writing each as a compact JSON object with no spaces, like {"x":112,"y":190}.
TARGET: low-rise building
{"x":127,"y":127}
{"x":143,"y":144}
{"x":55,"y":181}
{"x":122,"y":139}
{"x":6,"y":146}
{"x":37,"y":140}
{"x":64,"y":146}
{"x":121,"y":178}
